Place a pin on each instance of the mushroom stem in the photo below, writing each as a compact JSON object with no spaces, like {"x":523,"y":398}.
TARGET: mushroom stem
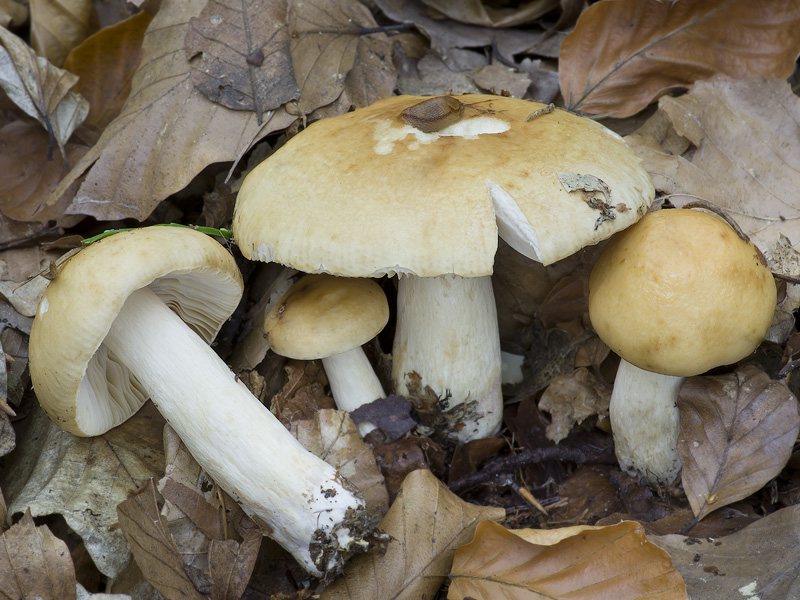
{"x":645,"y":423}
{"x":307,"y":507}
{"x":353,"y":382}
{"x":447,"y":333}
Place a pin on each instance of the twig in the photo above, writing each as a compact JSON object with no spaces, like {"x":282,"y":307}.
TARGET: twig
{"x":533,"y":456}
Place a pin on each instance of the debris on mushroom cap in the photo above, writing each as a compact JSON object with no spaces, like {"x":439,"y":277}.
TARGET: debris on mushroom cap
{"x":197,"y":279}
{"x":432,"y":202}
{"x":322,"y":315}
{"x":680,"y":293}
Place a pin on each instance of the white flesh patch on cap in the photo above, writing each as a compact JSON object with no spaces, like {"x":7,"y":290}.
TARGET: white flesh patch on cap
{"x":387,"y":132}
{"x":263,"y":252}
{"x":44,"y":306}
{"x":512,"y":225}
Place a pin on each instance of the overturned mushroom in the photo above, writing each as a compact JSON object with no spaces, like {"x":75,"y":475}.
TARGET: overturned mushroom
{"x":130,"y":317}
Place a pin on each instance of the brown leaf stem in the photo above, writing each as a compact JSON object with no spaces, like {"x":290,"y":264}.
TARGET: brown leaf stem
{"x":531,"y":456}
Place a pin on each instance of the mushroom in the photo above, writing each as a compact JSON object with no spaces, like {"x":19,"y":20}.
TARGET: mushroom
{"x":367,"y":194}
{"x":330,"y":318}
{"x":131,"y":317}
{"x":674,"y":295}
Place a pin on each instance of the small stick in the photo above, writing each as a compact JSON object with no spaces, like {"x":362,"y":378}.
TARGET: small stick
{"x":6,"y":408}
{"x":529,"y":498}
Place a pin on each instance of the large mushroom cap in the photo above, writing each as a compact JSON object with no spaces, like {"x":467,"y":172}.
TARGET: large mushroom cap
{"x":680,"y":293}
{"x":365,"y":193}
{"x":323,"y":315}
{"x":78,"y":382}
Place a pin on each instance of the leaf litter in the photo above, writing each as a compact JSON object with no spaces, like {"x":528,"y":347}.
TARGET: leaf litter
{"x":155,"y":147}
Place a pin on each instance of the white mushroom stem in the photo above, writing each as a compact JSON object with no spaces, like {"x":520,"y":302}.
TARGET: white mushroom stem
{"x":309,"y":509}
{"x":447,"y":333}
{"x":645,"y":423}
{"x":353,"y":382}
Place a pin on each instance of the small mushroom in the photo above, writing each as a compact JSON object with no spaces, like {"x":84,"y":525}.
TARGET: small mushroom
{"x":675,"y":295}
{"x":131,"y":317}
{"x":330,"y":318}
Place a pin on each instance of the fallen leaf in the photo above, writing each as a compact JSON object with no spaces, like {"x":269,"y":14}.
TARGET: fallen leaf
{"x":231,"y":565}
{"x":12,"y":14}
{"x":105,"y":63}
{"x":622,"y":55}
{"x":737,"y":432}
{"x":448,"y":37}
{"x":477,"y":12}
{"x":747,"y":135}
{"x":615,"y":562}
{"x":331,"y":53}
{"x":303,"y":393}
{"x":35,"y":564}
{"x":783,"y":259}
{"x":239,"y":55}
{"x":332,"y":436}
{"x":166,"y":133}
{"x":760,"y":562}
{"x":152,"y":545}
{"x":26,"y":175}
{"x":392,"y":415}
{"x":572,"y":398}
{"x":499,"y":79}
{"x":40,"y":89}
{"x":57,"y":26}
{"x":83,"y":479}
{"x":425,"y":524}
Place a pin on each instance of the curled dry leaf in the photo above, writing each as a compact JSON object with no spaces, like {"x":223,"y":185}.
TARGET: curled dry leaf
{"x":58,"y":26}
{"x":615,"y":562}
{"x":40,"y":89}
{"x":622,"y":55}
{"x":759,"y":562}
{"x":35,"y":564}
{"x":27,"y":177}
{"x":737,"y":432}
{"x":570,"y":399}
{"x":477,"y":12}
{"x":239,"y":55}
{"x":426,"y":523}
{"x":332,"y":53}
{"x":105,"y":63}
{"x":747,"y":135}
{"x":166,"y":133}
{"x":152,"y":545}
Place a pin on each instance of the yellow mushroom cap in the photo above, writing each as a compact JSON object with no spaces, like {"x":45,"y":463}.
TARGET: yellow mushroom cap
{"x":323,"y":315}
{"x":680,"y":292}
{"x":365,"y":194}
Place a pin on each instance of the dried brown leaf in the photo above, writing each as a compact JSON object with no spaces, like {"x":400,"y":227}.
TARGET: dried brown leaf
{"x":152,"y":545}
{"x":747,"y":135}
{"x":35,"y":564}
{"x":166,"y":133}
{"x":27,"y":177}
{"x":12,"y":14}
{"x":759,"y":562}
{"x":239,"y":55}
{"x":426,"y":523}
{"x":231,"y":565}
{"x":737,"y":432}
{"x":57,"y":26}
{"x":622,"y":55}
{"x":607,"y":563}
{"x":572,"y":398}
{"x":332,"y":435}
{"x":331,"y":54}
{"x":83,"y":479}
{"x":105,"y":63}
{"x":40,"y":89}
{"x":477,"y":12}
